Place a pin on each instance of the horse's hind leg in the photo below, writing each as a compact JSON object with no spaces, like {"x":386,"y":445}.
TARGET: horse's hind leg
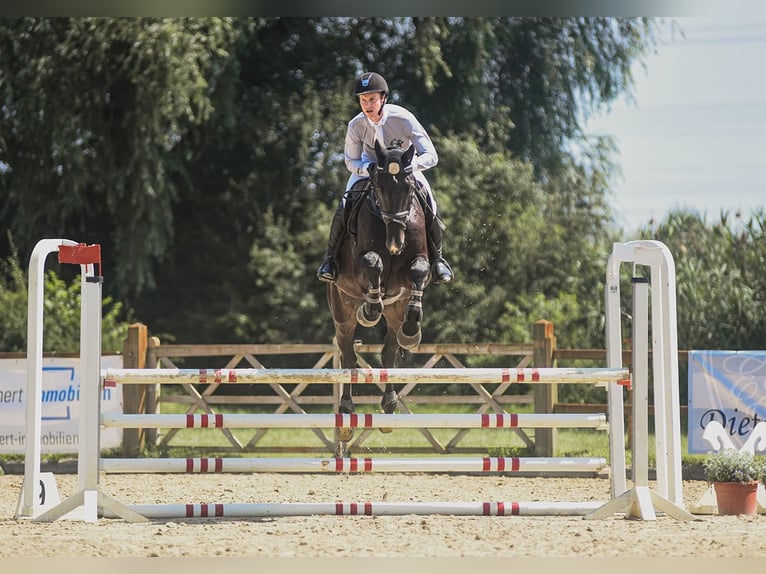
{"x":389,"y":356}
{"x":409,"y":334}
{"x":345,"y":325}
{"x":346,"y":406}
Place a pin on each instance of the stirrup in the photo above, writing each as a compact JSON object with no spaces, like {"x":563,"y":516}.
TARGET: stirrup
{"x":442,"y":272}
{"x":328,"y":271}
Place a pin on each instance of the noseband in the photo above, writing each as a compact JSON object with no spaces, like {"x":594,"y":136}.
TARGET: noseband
{"x":399,"y":217}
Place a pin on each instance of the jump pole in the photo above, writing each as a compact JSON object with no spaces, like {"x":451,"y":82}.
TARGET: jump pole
{"x":255,"y":510}
{"x":352,"y":465}
{"x":371,"y":420}
{"x":369,"y":376}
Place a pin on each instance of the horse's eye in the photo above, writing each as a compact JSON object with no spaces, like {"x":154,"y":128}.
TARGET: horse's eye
{"x":393,"y":168}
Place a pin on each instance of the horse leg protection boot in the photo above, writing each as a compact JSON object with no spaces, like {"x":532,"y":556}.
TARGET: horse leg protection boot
{"x":440,"y":269}
{"x":328,"y":270}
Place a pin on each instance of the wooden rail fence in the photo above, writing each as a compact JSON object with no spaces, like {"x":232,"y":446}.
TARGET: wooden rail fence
{"x":142,"y":351}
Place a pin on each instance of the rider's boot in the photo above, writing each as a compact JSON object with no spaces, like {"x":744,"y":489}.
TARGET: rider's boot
{"x":440,"y":269}
{"x":328,"y":270}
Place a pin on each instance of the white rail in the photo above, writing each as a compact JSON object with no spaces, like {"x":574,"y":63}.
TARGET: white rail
{"x":153,"y":511}
{"x":273,"y":464}
{"x":367,"y":376}
{"x":397,"y":420}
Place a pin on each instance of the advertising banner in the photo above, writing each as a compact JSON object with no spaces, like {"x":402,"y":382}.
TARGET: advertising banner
{"x":728,"y":387}
{"x":60,"y":408}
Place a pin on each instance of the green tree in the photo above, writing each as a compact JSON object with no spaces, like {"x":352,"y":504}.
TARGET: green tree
{"x":92,"y":111}
{"x":523,"y":84}
{"x":205,"y":156}
{"x":520,"y":248}
{"x":720,"y":285}
{"x":61,"y":313}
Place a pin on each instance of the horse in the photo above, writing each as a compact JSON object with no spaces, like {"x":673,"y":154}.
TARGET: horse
{"x":383,"y":269}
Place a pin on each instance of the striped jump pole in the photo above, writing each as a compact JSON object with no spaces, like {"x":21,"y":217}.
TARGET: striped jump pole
{"x":594,"y":376}
{"x":360,"y":465}
{"x":255,"y":510}
{"x":377,"y":420}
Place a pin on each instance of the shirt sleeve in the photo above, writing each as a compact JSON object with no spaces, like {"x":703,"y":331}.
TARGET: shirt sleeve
{"x":353,"y":149}
{"x":425,"y":152}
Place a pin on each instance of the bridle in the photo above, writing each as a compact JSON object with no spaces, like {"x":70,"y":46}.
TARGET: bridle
{"x":394,"y":167}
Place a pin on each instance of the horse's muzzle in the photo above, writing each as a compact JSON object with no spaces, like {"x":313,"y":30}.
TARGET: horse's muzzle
{"x":395,"y":237}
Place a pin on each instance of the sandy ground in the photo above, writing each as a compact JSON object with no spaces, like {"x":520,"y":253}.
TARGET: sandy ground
{"x":410,"y":536}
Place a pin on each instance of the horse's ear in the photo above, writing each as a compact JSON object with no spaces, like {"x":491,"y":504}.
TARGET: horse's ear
{"x":379,"y":152}
{"x":408,"y":155}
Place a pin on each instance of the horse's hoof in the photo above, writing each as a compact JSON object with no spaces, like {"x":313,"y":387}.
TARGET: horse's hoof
{"x":389,"y":402}
{"x":408,"y":340}
{"x":346,"y":407}
{"x":344,"y":434}
{"x":364,"y":320}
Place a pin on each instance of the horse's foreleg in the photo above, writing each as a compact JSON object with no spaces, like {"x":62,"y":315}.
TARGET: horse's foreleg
{"x":409,"y":333}
{"x":346,"y":406}
{"x":368,"y":315}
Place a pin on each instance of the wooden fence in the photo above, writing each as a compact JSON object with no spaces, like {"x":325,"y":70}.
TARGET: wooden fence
{"x":142,"y":351}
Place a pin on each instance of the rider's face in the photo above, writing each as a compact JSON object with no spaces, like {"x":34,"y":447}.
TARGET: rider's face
{"x":371,"y":105}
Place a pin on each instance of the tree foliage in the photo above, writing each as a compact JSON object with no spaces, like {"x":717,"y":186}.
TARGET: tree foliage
{"x":720,"y":278}
{"x":92,"y":109}
{"x":205,"y":156}
{"x":61,"y":313}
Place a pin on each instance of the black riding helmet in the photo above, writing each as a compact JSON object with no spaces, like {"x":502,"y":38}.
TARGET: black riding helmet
{"x":371,"y":82}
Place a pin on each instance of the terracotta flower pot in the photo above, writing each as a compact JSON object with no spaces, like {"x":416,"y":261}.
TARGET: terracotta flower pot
{"x":736,"y":497}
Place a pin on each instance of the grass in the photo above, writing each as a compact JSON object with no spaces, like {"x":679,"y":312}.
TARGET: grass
{"x":496,"y":442}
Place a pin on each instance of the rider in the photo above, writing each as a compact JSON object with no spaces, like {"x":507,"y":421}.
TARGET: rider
{"x":391,"y":125}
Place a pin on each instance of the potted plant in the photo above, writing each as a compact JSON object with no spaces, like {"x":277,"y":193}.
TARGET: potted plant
{"x":735,"y":476}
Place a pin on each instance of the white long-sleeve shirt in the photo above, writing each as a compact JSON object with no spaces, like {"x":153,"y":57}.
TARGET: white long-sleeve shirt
{"x":396,"y":127}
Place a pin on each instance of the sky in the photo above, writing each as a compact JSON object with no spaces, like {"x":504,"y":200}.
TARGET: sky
{"x":694,"y":138}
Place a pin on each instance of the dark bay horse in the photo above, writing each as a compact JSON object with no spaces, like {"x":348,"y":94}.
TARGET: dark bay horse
{"x":383,"y":269}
